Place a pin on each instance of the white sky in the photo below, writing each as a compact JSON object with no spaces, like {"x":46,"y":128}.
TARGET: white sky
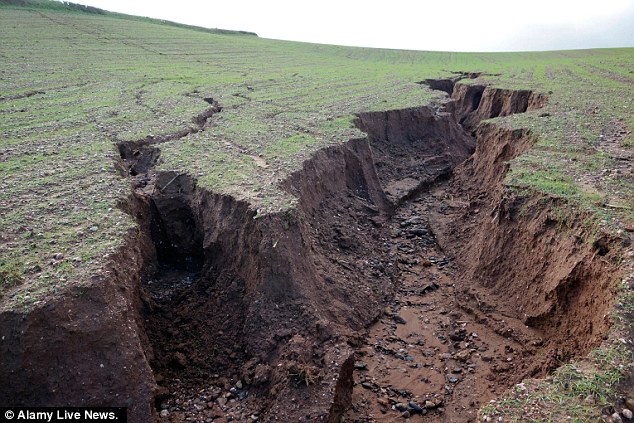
{"x":458,"y":25}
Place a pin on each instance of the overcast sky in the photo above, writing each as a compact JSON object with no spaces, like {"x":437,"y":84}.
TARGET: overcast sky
{"x":458,"y":25}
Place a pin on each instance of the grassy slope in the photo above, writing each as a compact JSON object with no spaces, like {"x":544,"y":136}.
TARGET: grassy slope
{"x":72,"y":83}
{"x":96,"y":79}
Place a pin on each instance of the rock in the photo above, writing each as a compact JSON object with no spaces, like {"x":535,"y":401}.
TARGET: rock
{"x":262,"y":374}
{"x":627,"y":413}
{"x":456,"y":370}
{"x":616,"y":418}
{"x":462,"y":355}
{"x":398,"y":319}
{"x":180,"y":359}
{"x":382,"y":401}
{"x":431,"y":287}
{"x":405,"y":414}
{"x":164,"y":413}
{"x":222,"y":401}
{"x":400,"y":406}
{"x":429,"y":405}
{"x":359,"y":365}
{"x":452,"y":379}
{"x":456,"y":337}
{"x":415,"y":407}
{"x":58,"y":256}
{"x":367,"y":385}
{"x":239,"y":384}
{"x":417,"y":231}
{"x":629,"y":404}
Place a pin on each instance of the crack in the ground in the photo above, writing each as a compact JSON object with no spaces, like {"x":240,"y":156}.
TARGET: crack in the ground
{"x":138,"y":157}
{"x":244,"y":313}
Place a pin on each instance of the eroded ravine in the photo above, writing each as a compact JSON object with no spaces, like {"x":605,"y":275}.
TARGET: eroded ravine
{"x":213,"y":312}
{"x":242,"y":312}
{"x":476,"y":312}
{"x":438,"y":352}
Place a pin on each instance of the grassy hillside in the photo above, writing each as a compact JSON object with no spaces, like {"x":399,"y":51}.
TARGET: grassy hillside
{"x":72,"y":84}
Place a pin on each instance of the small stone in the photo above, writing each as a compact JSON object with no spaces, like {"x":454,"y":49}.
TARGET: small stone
{"x":58,"y":256}
{"x":452,"y":379}
{"x":415,"y":407}
{"x":616,"y":418}
{"x":222,"y":401}
{"x":367,"y":385}
{"x":382,"y":401}
{"x":164,"y":413}
{"x":400,"y":406}
{"x":629,"y":404}
{"x":93,"y":229}
{"x":627,"y":413}
{"x":398,"y":319}
{"x":463,"y":355}
{"x":457,"y":370}
{"x":456,"y":337}
{"x":180,"y":359}
{"x":359,"y":365}
{"x":405,"y":414}
{"x":239,"y":384}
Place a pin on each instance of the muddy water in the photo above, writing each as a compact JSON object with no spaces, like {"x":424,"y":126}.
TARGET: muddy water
{"x":434,"y":355}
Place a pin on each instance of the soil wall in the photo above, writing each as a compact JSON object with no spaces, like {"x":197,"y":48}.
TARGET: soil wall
{"x":535,"y":255}
{"x":414,"y":147}
{"x":474,"y":103}
{"x":84,"y":349}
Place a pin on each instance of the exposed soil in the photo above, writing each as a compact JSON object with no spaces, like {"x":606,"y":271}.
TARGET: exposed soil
{"x":407,"y":281}
{"x":495,"y":288}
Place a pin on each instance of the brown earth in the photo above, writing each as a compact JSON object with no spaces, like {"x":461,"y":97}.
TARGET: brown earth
{"x":215,"y":313}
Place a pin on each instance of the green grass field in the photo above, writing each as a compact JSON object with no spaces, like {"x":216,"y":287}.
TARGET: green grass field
{"x":73,"y":84}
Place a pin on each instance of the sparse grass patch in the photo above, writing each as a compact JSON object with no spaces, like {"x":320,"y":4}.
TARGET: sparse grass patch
{"x":575,"y":391}
{"x":10,"y":275}
{"x":289,"y":146}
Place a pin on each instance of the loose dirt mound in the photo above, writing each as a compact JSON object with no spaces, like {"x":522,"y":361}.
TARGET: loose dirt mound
{"x":243,"y":316}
